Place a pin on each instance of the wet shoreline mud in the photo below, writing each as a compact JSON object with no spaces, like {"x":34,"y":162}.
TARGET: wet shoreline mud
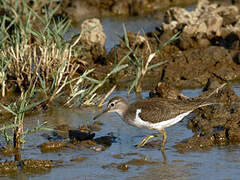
{"x":207,"y":54}
{"x":215,"y":125}
{"x":208,"y":47}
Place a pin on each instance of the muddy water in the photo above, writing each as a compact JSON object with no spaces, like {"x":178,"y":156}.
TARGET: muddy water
{"x":122,"y":160}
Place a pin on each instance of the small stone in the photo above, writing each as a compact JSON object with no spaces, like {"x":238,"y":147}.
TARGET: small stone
{"x":79,"y":159}
{"x":98,"y":148}
{"x":123,"y":167}
{"x":52,"y":146}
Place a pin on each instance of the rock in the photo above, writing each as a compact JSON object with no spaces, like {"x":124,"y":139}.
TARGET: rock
{"x":105,"y":140}
{"x":208,"y":47}
{"x":52,"y":146}
{"x":88,"y":143}
{"x":98,"y":148}
{"x":236,"y":58}
{"x":92,"y":32}
{"x":233,"y":130}
{"x":177,"y":15}
{"x":207,"y":21}
{"x":80,"y":136}
{"x":92,"y":41}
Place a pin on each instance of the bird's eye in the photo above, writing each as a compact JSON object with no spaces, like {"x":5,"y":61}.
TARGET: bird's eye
{"x":112,"y":104}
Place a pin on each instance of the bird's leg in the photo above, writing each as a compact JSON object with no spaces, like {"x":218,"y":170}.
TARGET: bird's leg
{"x":164,"y":139}
{"x":145,"y":140}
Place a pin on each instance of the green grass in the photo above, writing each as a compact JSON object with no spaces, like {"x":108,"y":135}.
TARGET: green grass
{"x":142,"y":63}
{"x":36,"y":59}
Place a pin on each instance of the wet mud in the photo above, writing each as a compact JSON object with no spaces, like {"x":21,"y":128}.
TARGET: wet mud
{"x":215,"y":125}
{"x":206,"y":48}
{"x":27,"y":165}
{"x":134,"y":162}
{"x":65,"y":137}
{"x":196,"y":59}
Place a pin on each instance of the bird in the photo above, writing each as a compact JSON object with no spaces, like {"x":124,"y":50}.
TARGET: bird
{"x":156,"y":113}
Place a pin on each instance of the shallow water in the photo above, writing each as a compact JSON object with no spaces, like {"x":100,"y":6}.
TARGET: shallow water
{"x":113,"y":27}
{"x":217,"y":163}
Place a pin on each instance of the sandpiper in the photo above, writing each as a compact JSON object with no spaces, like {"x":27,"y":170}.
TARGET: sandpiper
{"x":154,"y":113}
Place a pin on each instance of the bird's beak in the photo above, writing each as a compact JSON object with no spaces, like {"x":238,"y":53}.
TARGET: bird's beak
{"x":100,"y":114}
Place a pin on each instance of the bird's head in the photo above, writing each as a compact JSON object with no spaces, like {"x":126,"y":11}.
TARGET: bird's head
{"x":116,"y":104}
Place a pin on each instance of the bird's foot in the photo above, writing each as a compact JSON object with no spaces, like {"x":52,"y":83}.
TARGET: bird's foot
{"x":144,"y":141}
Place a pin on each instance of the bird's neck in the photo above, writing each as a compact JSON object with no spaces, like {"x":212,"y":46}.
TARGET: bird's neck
{"x":123,"y":111}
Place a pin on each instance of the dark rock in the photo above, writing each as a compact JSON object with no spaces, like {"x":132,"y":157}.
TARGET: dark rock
{"x":80,"y":136}
{"x":236,"y":58}
{"x":105,"y":140}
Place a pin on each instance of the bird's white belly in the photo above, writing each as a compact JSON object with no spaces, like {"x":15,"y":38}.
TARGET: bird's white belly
{"x":138,"y":122}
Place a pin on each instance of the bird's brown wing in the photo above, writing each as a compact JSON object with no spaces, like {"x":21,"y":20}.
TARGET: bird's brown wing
{"x":158,"y":110}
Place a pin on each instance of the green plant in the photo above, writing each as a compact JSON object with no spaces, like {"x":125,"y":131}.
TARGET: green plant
{"x":38,"y":61}
{"x":18,"y":110}
{"x":140,"y":63}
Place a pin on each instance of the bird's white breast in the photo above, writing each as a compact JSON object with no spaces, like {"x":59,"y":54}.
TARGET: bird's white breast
{"x":138,"y":122}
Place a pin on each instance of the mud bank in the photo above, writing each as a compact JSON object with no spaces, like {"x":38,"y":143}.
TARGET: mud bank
{"x":207,"y":48}
{"x":215,"y":125}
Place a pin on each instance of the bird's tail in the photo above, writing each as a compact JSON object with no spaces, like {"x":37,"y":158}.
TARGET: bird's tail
{"x":210,"y":99}
{"x":216,"y":91}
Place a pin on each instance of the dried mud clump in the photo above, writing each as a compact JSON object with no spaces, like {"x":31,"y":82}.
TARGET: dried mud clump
{"x":27,"y":165}
{"x":8,"y":167}
{"x":36,"y":165}
{"x":208,"y":46}
{"x":217,"y":124}
{"x":52,"y":146}
{"x":166,"y":90}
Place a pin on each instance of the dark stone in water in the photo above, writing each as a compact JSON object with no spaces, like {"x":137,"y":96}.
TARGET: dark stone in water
{"x":80,"y":136}
{"x":105,"y":140}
